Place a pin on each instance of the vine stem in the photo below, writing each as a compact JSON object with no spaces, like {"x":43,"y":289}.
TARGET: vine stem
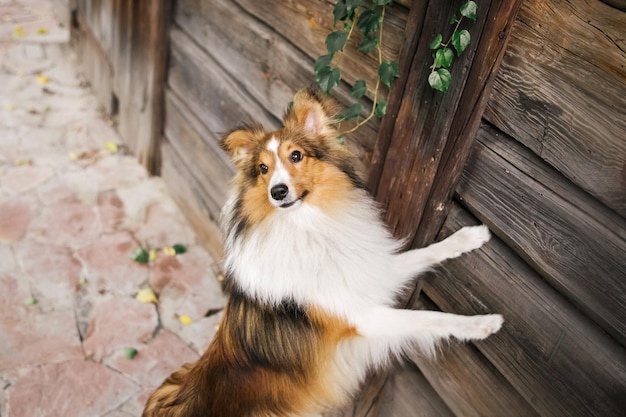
{"x":380,"y":61}
{"x":445,"y":45}
{"x":347,"y":40}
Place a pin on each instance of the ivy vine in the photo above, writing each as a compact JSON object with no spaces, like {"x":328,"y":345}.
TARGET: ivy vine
{"x":440,"y":77}
{"x":368,"y":19}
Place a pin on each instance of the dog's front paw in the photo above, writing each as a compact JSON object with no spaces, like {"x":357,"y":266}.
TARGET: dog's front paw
{"x":469,"y":238}
{"x":482,"y":326}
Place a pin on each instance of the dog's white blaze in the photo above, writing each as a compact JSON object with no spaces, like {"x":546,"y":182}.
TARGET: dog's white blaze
{"x":280,"y":175}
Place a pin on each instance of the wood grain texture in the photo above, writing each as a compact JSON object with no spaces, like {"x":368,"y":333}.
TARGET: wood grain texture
{"x":562,"y":93}
{"x":409,"y":394}
{"x":199,"y":150}
{"x":468,"y":383}
{"x":554,"y":356}
{"x":189,"y":196}
{"x":306,"y":24}
{"x":574,"y":245}
{"x":432,"y":127}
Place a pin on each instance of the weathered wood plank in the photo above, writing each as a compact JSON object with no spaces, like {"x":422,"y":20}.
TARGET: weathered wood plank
{"x":94,"y":62}
{"x":188,"y":195}
{"x":555,"y":357}
{"x":408,"y":394}
{"x":306,"y":24}
{"x":215,"y":98}
{"x":198,"y":149}
{"x":493,"y":43}
{"x":426,"y":117}
{"x":467,"y":382}
{"x":269,"y":68}
{"x":575,"y":245}
{"x":562,"y":92}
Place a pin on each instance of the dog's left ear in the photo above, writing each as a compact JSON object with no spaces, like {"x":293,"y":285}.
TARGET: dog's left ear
{"x":310,"y":112}
{"x":239,"y":144}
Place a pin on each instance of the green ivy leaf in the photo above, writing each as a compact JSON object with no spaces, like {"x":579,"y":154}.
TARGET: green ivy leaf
{"x":130,"y":353}
{"x":179,"y":248}
{"x":440,"y":80}
{"x":454,"y":19}
{"x":321,"y":62}
{"x":460,"y":41}
{"x":336,"y":41}
{"x":340,"y":11}
{"x":381,"y":108}
{"x":327,"y":78}
{"x":368,"y":44}
{"x":353,"y":4}
{"x":388,"y":71}
{"x":140,"y":255}
{"x":352,"y":112}
{"x":369,"y":21}
{"x":436,"y":43}
{"x":469,"y":10}
{"x":444,"y":57}
{"x":358,"y":89}
{"x":381,"y":2}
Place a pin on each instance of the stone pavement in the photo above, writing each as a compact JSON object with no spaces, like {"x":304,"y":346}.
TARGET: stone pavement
{"x":73,"y":207}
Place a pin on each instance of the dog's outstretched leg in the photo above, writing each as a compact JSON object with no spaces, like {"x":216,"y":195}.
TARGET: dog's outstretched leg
{"x":391,"y":331}
{"x":416,"y":261}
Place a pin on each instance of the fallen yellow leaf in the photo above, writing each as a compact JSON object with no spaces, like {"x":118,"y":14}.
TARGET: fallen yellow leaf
{"x":42,"y":31}
{"x":185,"y":319}
{"x":111,"y":146}
{"x":152,"y":255}
{"x":73,"y":156}
{"x":9,"y":107}
{"x":19,"y":32}
{"x":169,"y":251}
{"x":23,"y":162}
{"x":146,"y":295}
{"x":43,"y":79}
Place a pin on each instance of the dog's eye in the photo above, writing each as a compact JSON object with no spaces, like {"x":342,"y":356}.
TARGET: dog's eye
{"x":263,"y":168}
{"x":296,"y":156}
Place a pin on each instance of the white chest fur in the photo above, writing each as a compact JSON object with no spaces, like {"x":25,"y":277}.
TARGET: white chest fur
{"x":339,"y":262}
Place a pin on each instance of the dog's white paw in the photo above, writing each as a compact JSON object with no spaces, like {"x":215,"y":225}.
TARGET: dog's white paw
{"x":482,"y":326}
{"x":469,"y":238}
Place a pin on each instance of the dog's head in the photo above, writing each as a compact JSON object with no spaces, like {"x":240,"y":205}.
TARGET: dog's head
{"x":300,"y":163}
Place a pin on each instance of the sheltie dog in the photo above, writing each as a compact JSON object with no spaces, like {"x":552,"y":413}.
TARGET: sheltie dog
{"x":312,"y":275}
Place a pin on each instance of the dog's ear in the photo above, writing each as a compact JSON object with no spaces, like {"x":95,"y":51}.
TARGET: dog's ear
{"x":310,"y":112}
{"x":239,"y":144}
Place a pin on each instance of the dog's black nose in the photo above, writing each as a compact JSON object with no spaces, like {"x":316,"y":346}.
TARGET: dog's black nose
{"x":279,"y":192}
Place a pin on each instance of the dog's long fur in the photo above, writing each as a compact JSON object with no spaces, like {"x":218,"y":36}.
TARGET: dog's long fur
{"x":312,"y":275}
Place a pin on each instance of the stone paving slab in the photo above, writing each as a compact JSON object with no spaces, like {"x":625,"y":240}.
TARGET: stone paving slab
{"x":71,"y":213}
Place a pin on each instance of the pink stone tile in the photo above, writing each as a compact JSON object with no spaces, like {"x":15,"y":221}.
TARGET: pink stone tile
{"x":111,"y":209}
{"x":67,"y":222}
{"x":108,"y":265}
{"x":75,"y":388}
{"x":53,"y":272}
{"x":118,"y":323}
{"x":199,"y":333}
{"x":187,"y":285}
{"x":55,"y":191}
{"x":8,"y":262}
{"x":164,"y":227}
{"x":154,"y":361}
{"x":17,"y":213}
{"x":30,"y":337}
{"x":14,"y":291}
{"x":19,"y":179}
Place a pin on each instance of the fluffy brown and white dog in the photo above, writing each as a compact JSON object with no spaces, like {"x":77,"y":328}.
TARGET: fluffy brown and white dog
{"x":312,"y":275}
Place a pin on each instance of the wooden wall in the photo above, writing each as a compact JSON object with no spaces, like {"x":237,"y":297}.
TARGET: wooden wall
{"x":547,"y":175}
